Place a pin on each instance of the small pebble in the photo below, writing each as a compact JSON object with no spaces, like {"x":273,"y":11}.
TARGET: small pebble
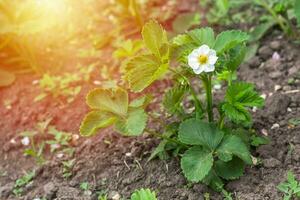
{"x":275,"y":126}
{"x":264,"y":96}
{"x":264,"y":132}
{"x":289,"y":109}
{"x":275,"y":45}
{"x":97,"y":83}
{"x":276,"y":56}
{"x":277,"y":87}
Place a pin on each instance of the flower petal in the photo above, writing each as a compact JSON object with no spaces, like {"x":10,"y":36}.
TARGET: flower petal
{"x":199,"y":70}
{"x":209,"y":68}
{"x":203,"y":50}
{"x":193,"y":63}
{"x":212,"y":52}
{"x":212,"y":59}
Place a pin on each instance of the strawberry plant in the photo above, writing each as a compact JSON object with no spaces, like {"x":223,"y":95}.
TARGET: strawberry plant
{"x":213,"y":138}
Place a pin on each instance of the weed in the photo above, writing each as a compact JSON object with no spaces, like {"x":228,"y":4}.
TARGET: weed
{"x":22,"y":182}
{"x":67,"y":168}
{"x":291,"y":188}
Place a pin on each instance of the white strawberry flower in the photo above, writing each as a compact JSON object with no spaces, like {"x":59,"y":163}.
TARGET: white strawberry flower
{"x":202,"y":59}
{"x":25,"y":141}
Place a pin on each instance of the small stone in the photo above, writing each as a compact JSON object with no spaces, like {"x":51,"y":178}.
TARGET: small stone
{"x":113,"y":195}
{"x":274,"y":126}
{"x":277,"y":87}
{"x":265,"y":52}
{"x":264,"y":132}
{"x":276,"y":56}
{"x":275,"y":74}
{"x":287,"y":88}
{"x":271,"y":163}
{"x":275,"y":45}
{"x":289,"y":110}
{"x":97,"y":83}
{"x":254,"y":62}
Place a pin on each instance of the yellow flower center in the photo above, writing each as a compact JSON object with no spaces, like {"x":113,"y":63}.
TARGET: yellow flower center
{"x":203,"y":59}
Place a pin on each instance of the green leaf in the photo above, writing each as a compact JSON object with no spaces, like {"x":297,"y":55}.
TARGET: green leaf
{"x":186,"y":43}
{"x":244,"y":94}
{"x":196,"y":132}
{"x":196,"y":163}
{"x":143,"y":194}
{"x":297,"y":10}
{"x":143,"y":70}
{"x":134,"y":124}
{"x":141,"y":101}
{"x":213,"y":180}
{"x":229,"y":39}
{"x":113,"y":100}
{"x":6,"y":78}
{"x":236,"y":113}
{"x":202,"y":36}
{"x":154,"y":37}
{"x":236,"y":57}
{"x":94,"y":121}
{"x":230,"y":170}
{"x":257,"y":141}
{"x":173,"y":98}
{"x":233,"y":145}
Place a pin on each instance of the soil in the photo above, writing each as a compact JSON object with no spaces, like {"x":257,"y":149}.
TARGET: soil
{"x":118,"y":165}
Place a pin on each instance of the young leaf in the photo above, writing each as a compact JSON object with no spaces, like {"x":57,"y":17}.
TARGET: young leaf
{"x":236,"y":57}
{"x":196,"y":163}
{"x":196,"y":132}
{"x":173,"y":98}
{"x":230,"y":170}
{"x":113,"y":100}
{"x":233,"y":145}
{"x":244,"y":94}
{"x":134,"y":124}
{"x":141,"y":101}
{"x":228,"y":39}
{"x":202,"y":36}
{"x":185,"y":43}
{"x":143,"y":194}
{"x":143,"y":70}
{"x":236,"y":113}
{"x":94,"y":121}
{"x":154,"y":37}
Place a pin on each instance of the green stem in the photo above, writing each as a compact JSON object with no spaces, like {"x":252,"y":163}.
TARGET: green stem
{"x":198,"y":105}
{"x":221,"y":121}
{"x":208,"y":88}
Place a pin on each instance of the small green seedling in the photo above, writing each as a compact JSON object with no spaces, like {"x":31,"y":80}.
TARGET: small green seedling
{"x":67,"y":168}
{"x":36,"y":149}
{"x":291,"y":188}
{"x":143,"y":194}
{"x":85,"y":186}
{"x":61,"y":139}
{"x":22,"y":182}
